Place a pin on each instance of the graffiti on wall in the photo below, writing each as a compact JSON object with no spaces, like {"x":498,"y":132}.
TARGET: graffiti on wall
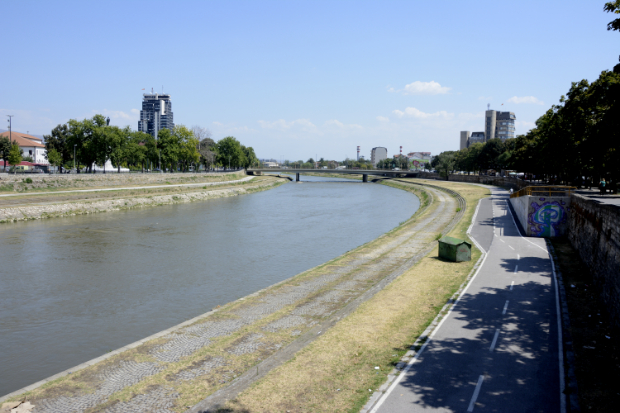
{"x":547,"y":217}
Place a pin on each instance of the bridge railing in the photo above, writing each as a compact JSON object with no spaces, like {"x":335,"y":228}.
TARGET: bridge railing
{"x":556,"y":190}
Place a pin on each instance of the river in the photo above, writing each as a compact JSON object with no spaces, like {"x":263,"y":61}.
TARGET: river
{"x":75,"y":288}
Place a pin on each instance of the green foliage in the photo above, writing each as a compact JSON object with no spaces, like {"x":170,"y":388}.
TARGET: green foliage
{"x":28,"y":180}
{"x":54,"y":157}
{"x":613,"y":7}
{"x":229,"y":152}
{"x":5,"y":149}
{"x":15,"y":155}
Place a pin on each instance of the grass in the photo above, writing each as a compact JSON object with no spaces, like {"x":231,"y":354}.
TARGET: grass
{"x":337,"y":373}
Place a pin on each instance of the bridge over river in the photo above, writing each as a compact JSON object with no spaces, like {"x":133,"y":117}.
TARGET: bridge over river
{"x":363,"y":172}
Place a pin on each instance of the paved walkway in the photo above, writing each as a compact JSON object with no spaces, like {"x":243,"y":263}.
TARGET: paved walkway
{"x":595,"y":194}
{"x":497,"y":350}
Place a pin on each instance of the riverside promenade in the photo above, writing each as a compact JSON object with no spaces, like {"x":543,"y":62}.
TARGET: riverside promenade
{"x":207,"y":360}
{"x":497,"y":350}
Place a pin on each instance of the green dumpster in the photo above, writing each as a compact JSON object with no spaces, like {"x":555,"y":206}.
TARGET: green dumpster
{"x":454,"y":249}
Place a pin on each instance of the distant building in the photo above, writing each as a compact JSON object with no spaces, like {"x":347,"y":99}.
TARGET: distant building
{"x":156,"y":114}
{"x":30,"y":146}
{"x":378,"y":154}
{"x":499,"y":125}
{"x":469,"y":138}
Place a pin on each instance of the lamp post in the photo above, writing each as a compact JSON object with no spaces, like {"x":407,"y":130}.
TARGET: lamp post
{"x":74,"y":146}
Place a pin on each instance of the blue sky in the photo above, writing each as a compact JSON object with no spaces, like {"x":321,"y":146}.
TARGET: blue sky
{"x":296,"y":79}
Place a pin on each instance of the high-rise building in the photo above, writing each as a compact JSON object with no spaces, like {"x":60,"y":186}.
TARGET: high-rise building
{"x":156,"y":114}
{"x":468,"y":138}
{"x":378,"y":154}
{"x":499,"y":125}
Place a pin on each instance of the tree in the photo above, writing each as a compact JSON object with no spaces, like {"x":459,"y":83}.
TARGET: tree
{"x":5,"y":149}
{"x":58,"y":139}
{"x":168,"y":145}
{"x":54,"y":157}
{"x":613,"y":7}
{"x":15,"y":156}
{"x":250,"y":156}
{"x":445,"y":163}
{"x":229,"y":152}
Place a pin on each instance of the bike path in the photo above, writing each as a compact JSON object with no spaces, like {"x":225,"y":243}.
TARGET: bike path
{"x":498,"y":349}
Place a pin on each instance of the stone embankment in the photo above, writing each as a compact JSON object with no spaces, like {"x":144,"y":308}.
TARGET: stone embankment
{"x":222,"y":352}
{"x":21,"y":182}
{"x":64,"y":209}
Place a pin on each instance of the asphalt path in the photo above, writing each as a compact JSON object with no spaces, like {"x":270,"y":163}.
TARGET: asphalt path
{"x":497,"y":350}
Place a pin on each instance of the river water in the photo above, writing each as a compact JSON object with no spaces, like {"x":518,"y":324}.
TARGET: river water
{"x":75,"y":288}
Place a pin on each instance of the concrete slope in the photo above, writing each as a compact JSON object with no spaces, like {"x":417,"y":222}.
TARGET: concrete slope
{"x":497,"y":350}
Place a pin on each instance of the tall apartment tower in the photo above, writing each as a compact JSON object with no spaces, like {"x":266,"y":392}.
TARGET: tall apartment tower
{"x":378,"y":154}
{"x":156,"y":114}
{"x":499,"y":125}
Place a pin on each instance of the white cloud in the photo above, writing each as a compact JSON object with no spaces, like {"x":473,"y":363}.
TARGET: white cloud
{"x":119,"y":114}
{"x":383,"y":119}
{"x":425,"y":88}
{"x":281,"y":124}
{"x":525,"y":99}
{"x":341,"y":125}
{"x":218,"y":123}
{"x":523,"y":126}
{"x":411,"y":112}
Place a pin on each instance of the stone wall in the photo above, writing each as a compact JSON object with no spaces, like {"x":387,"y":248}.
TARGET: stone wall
{"x":594,"y":231}
{"x":506,"y":182}
{"x":543,"y":216}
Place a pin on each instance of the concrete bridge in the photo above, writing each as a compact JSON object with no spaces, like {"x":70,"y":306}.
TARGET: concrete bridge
{"x":363,"y":172}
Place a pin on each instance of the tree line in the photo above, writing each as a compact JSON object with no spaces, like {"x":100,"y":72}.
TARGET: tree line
{"x":574,"y":141}
{"x":93,"y":141}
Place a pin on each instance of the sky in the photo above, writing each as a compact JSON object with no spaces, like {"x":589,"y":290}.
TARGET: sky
{"x":300,"y":79}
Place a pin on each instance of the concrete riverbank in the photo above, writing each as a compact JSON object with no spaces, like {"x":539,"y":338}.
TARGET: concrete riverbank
{"x":43,"y":205}
{"x":177,"y":368}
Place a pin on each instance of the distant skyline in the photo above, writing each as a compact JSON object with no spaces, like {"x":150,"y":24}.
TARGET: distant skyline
{"x":301,"y":79}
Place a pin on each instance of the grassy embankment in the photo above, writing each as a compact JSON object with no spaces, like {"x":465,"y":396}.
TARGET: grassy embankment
{"x":336,"y":373}
{"x":35,"y":205}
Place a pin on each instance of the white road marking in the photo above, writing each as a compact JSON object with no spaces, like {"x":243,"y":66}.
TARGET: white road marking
{"x":505,"y":307}
{"x":494,"y":340}
{"x":560,"y":344}
{"x":516,"y":268}
{"x":430,"y":338}
{"x":525,"y":239}
{"x":512,"y":285}
{"x":475,"y":395}
{"x":518,"y":257}
{"x":502,"y":240}
{"x":510,"y":246}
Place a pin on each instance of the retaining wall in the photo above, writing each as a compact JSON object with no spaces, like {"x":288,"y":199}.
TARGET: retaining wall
{"x":594,"y":232}
{"x":505,"y":182}
{"x":543,"y":216}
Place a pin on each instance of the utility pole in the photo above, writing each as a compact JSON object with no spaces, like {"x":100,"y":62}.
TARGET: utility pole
{"x":10,"y":129}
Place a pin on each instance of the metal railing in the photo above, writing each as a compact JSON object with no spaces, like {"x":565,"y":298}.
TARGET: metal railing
{"x":556,"y":190}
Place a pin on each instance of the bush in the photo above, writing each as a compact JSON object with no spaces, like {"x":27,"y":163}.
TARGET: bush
{"x":28,"y":180}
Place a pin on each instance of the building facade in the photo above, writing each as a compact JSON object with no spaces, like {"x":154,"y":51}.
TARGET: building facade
{"x":378,"y":154}
{"x":499,"y":125}
{"x":469,"y":138}
{"x":156,"y":113}
{"x":30,"y":146}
